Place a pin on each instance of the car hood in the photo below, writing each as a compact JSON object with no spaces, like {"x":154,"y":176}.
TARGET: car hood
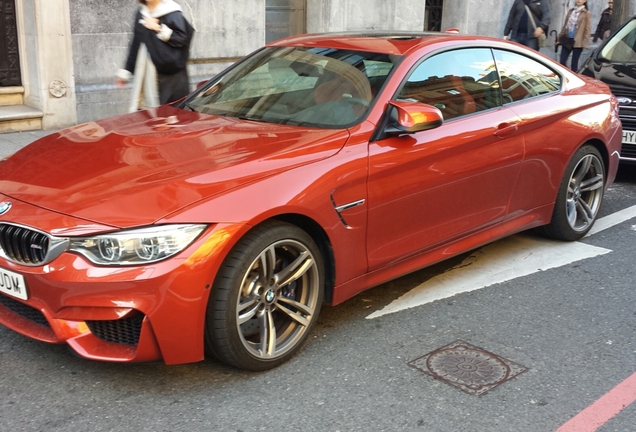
{"x":621,"y":78}
{"x":134,"y":169}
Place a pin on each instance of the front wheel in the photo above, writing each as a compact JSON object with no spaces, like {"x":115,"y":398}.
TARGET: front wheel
{"x":580,"y":196}
{"x":265,"y":298}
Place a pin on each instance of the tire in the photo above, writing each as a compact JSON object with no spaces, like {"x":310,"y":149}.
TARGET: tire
{"x":580,"y":196}
{"x":266,"y":298}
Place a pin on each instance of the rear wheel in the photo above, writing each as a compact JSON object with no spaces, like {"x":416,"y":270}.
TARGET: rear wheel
{"x":580,"y":196}
{"x":266,"y":297}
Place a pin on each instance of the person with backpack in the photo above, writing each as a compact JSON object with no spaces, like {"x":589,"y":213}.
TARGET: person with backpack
{"x":526,"y":29}
{"x":158,"y":54}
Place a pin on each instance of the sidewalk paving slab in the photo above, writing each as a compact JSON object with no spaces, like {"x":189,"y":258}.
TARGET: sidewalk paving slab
{"x":14,"y":141}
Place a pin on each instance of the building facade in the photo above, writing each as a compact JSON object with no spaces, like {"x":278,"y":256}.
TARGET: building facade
{"x":61,"y":55}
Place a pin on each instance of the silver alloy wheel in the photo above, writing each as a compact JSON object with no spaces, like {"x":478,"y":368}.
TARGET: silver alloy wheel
{"x":585,"y":192}
{"x":278,"y":299}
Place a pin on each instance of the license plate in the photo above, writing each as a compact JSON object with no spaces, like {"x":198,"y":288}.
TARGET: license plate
{"x":13,"y":284}
{"x":629,"y":137}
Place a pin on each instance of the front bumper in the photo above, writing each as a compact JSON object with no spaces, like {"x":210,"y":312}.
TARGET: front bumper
{"x":121,"y":314}
{"x":627,"y":115}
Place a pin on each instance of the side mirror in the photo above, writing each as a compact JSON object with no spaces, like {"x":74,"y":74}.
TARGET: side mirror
{"x":411,"y":117}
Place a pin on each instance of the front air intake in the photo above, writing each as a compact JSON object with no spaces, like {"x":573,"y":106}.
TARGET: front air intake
{"x":24,"y":311}
{"x":122,"y":331}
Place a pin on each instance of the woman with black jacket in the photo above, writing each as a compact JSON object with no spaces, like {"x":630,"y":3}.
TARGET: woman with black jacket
{"x":160,"y":49}
{"x":604,"y":24}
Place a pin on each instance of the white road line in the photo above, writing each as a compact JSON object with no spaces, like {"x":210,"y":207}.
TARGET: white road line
{"x":613,"y":219}
{"x":507,"y":259}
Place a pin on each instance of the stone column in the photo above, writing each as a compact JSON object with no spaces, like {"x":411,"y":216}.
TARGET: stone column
{"x":46,"y":54}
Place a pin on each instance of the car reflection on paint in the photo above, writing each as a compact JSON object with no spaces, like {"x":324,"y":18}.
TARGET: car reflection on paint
{"x":313,"y":169}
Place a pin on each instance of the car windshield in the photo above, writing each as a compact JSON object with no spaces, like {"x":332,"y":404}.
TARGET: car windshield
{"x":621,"y":47}
{"x":316,"y":87}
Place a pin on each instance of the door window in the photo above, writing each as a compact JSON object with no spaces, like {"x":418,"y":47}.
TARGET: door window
{"x":621,"y":48}
{"x":433,"y":15}
{"x":523,"y":77}
{"x":9,"y":58}
{"x":458,"y":82}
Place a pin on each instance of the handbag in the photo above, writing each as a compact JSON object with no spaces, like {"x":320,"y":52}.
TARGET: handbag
{"x":566,"y":42}
{"x":542,"y":37}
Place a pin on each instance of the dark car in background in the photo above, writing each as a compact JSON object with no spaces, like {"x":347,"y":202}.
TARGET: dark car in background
{"x":614,"y":63}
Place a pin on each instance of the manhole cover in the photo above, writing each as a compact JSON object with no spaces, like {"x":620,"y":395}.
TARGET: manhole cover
{"x":467,"y":367}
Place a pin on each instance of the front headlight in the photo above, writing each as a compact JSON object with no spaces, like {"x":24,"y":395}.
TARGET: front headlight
{"x":137,"y":246}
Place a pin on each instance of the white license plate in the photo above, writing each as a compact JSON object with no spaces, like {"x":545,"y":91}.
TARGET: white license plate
{"x":13,"y":284}
{"x":629,"y":137}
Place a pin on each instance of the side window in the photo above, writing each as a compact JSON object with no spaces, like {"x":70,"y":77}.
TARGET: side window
{"x":458,"y":82}
{"x":523,"y":77}
{"x":621,"y":48}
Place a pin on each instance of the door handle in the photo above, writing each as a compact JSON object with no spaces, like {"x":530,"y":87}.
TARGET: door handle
{"x":505,"y":129}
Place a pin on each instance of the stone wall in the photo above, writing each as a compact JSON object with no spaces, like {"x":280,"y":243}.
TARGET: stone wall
{"x":341,"y":15}
{"x":488,"y":17}
{"x":227,"y":30}
{"x":102,"y":31}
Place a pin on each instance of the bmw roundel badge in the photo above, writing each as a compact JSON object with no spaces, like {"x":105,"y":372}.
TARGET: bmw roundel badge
{"x":4,"y":207}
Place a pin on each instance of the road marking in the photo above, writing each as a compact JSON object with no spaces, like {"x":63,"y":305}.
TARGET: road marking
{"x":601,"y":411}
{"x":613,"y":219}
{"x":507,"y":259}
{"x":510,"y":258}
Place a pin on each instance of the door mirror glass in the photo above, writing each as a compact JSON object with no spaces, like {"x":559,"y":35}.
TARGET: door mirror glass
{"x":411,"y":117}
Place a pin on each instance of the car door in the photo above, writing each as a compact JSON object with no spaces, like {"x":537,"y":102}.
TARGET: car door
{"x":429,"y":188}
{"x":532,"y":90}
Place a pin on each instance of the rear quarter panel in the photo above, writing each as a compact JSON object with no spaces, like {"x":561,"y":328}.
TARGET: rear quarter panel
{"x":555,"y":126}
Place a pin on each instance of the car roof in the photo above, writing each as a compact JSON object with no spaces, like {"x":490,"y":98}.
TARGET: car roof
{"x":397,"y":43}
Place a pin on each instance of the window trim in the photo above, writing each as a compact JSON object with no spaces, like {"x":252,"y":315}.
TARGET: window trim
{"x":429,"y":55}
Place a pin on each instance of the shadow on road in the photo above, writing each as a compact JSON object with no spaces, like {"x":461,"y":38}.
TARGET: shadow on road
{"x":626,"y":173}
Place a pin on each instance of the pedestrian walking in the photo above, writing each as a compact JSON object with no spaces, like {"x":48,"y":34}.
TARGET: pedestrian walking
{"x":158,"y":55}
{"x":524,"y":28}
{"x":603,"y":27}
{"x":575,"y":34}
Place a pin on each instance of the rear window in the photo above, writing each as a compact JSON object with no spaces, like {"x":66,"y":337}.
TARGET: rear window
{"x":523,"y":77}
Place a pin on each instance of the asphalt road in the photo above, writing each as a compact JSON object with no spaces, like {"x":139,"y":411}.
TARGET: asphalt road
{"x":572,"y":328}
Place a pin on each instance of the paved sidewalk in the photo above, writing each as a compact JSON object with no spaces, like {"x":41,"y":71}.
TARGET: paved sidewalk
{"x":14,"y":141}
{"x":555,"y":55}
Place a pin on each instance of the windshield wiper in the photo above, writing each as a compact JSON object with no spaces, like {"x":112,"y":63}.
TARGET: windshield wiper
{"x":291,"y":122}
{"x":188,"y":106}
{"x":251,"y":119}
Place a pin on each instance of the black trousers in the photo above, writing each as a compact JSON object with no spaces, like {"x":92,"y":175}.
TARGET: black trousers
{"x":576,"y":53}
{"x":173,"y":87}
